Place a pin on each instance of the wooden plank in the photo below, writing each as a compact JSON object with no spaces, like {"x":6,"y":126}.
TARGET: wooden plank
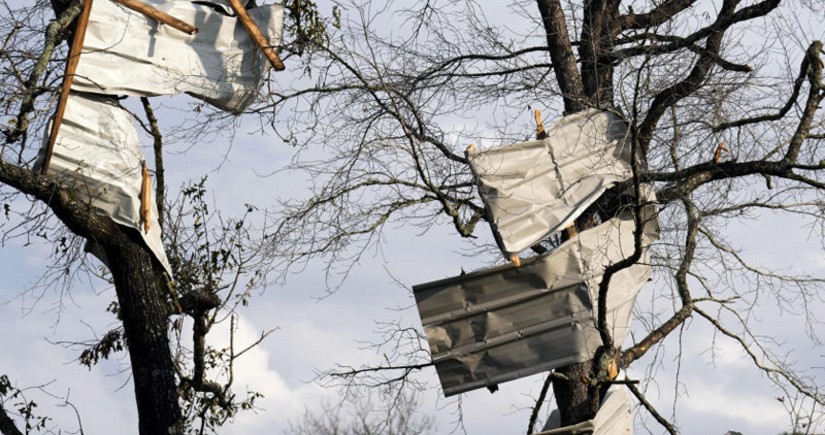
{"x":71,"y":67}
{"x":158,"y":16}
{"x":540,"y":133}
{"x":256,"y":34}
{"x":145,"y":197}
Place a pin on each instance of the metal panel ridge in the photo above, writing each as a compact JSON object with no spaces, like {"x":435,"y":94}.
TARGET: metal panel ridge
{"x":536,"y":188}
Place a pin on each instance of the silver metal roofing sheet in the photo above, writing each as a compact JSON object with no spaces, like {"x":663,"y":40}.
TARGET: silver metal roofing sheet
{"x":98,"y":154}
{"x":126,"y":53}
{"x":613,"y":418}
{"x":503,"y":323}
{"x":534,"y":189}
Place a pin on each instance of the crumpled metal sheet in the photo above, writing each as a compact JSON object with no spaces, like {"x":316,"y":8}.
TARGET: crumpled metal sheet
{"x":613,"y":418}
{"x":127,"y":53}
{"x":534,"y":189}
{"x":504,"y":323}
{"x":98,"y":155}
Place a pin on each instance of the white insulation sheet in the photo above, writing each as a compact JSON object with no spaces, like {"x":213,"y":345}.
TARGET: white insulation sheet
{"x":504,"y":323}
{"x":127,"y":53}
{"x":98,"y":155}
{"x":534,"y":189}
{"x":613,"y":418}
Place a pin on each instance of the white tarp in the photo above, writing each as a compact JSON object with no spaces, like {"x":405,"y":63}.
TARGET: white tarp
{"x":125,"y":52}
{"x":534,"y":189}
{"x":98,"y":155}
{"x":507,"y":322}
{"x":613,"y":418}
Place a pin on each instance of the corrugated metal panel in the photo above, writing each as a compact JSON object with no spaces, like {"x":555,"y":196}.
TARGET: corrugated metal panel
{"x":98,"y":154}
{"x":127,"y":53}
{"x":504,"y":323}
{"x":613,"y":418}
{"x":534,"y":189}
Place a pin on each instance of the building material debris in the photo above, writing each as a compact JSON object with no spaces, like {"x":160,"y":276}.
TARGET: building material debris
{"x":507,"y":322}
{"x":98,"y":155}
{"x":68,"y":77}
{"x":613,"y":418}
{"x":540,"y":313}
{"x":126,"y":53}
{"x":121,"y":47}
{"x":534,"y":189}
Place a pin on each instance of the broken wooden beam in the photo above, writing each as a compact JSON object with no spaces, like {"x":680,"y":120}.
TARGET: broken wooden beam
{"x":145,"y":197}
{"x":540,"y":133}
{"x":71,"y":67}
{"x":256,"y":34}
{"x":158,"y":15}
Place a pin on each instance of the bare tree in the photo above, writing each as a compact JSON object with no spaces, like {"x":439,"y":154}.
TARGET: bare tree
{"x":727,"y":124}
{"x":393,"y":95}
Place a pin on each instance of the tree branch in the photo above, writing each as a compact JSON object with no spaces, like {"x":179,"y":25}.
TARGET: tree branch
{"x":658,"y":334}
{"x":656,"y":16}
{"x":54,"y":32}
{"x":803,"y":71}
{"x":81,"y":218}
{"x":652,"y":410}
{"x":691,"y":83}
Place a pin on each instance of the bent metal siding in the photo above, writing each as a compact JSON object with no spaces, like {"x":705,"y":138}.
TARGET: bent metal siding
{"x":504,"y":323}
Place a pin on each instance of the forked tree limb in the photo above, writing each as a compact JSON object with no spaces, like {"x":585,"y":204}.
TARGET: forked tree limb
{"x":656,"y":16}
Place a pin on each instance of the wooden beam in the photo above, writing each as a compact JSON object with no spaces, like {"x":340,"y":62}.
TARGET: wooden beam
{"x":71,"y":67}
{"x":158,"y":15}
{"x":145,"y":197}
{"x":540,"y":133}
{"x":256,"y":34}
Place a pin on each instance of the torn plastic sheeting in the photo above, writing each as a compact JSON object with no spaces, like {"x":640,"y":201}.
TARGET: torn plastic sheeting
{"x":98,"y":155}
{"x":613,"y":418}
{"x":504,"y":323}
{"x":534,"y":189}
{"x":125,"y":52}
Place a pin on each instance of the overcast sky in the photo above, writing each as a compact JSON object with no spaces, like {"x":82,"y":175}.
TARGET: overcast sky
{"x":718,"y":391}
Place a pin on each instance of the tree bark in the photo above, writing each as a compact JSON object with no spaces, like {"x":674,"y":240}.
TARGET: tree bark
{"x":141,"y":293}
{"x":599,"y":28}
{"x":561,"y":53}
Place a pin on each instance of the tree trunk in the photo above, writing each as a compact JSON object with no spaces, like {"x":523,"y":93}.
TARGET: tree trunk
{"x":576,"y":398}
{"x":141,"y":293}
{"x":599,"y":28}
{"x":561,"y":53}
